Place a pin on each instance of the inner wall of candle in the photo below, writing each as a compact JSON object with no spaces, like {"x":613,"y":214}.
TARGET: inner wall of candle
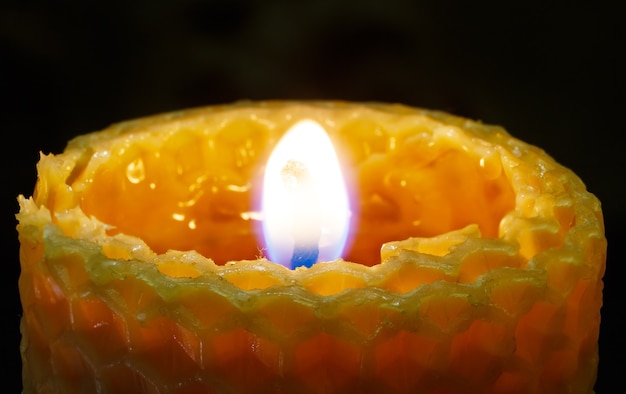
{"x":199,"y":191}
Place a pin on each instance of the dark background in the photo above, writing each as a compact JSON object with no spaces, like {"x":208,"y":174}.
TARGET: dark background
{"x":551,"y":73}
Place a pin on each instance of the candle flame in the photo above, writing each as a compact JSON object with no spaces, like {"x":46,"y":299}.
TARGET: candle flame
{"x":305,"y":204}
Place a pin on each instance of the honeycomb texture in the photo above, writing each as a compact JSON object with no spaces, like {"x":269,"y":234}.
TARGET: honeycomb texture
{"x":141,"y":271}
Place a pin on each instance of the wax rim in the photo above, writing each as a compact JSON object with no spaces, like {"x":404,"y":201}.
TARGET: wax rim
{"x":518,"y":158}
{"x":68,"y":261}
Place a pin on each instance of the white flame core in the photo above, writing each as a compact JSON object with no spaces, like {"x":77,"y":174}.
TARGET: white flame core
{"x":304,"y":201}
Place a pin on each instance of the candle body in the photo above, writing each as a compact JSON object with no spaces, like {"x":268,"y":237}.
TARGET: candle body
{"x":497,"y":289}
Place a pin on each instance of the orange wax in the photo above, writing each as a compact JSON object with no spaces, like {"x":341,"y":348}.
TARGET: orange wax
{"x":474,"y":265}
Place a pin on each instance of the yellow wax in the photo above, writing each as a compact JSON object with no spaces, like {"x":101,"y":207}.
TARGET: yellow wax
{"x":474,"y":265}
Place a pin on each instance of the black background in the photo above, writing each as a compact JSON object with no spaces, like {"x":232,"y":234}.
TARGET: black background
{"x":551,"y":73}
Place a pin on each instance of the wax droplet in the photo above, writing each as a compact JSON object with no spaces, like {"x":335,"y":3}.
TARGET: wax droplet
{"x":135,"y":171}
{"x":252,"y":215}
{"x":490,"y":165}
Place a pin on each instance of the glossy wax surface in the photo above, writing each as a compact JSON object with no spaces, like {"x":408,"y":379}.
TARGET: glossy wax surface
{"x":474,"y":263}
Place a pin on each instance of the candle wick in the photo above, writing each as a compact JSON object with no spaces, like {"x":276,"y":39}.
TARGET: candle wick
{"x":295,"y":176}
{"x":306,"y":213}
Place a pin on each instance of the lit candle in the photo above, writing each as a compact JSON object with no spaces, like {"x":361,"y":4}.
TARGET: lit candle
{"x":305,"y":204}
{"x":474,"y":265}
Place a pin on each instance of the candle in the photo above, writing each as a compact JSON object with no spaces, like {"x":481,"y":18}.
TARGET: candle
{"x":474,"y":262}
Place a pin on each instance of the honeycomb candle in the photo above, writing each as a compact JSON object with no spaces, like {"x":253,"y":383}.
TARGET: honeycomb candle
{"x":308,"y":247}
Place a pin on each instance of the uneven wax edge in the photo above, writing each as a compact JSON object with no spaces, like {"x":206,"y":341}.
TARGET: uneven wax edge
{"x":584,"y":241}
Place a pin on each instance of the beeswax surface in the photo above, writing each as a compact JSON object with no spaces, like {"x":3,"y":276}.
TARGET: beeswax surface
{"x":474,"y":263}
